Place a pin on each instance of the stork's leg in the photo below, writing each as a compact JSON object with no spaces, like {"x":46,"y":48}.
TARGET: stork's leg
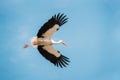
{"x":26,"y":45}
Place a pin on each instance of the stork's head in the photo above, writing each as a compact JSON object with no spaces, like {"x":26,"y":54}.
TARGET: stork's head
{"x":62,"y":42}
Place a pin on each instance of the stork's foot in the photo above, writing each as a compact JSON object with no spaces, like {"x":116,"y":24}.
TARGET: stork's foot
{"x":26,"y":45}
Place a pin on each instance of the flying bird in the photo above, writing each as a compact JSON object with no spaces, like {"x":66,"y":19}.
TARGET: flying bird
{"x":43,"y":41}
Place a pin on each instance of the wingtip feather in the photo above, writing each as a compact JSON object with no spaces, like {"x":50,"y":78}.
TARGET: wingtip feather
{"x":62,"y":61}
{"x":60,"y":19}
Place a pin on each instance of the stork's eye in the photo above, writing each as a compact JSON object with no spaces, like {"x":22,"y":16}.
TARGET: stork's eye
{"x":57,"y":29}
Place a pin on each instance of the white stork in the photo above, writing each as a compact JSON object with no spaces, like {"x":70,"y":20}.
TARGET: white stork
{"x":44,"y":41}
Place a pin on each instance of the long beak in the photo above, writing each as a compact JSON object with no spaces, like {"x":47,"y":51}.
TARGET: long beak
{"x":64,"y":44}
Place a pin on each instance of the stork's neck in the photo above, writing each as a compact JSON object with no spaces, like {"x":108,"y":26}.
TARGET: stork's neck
{"x":56,"y":42}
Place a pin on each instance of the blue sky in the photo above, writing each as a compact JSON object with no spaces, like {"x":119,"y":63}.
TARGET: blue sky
{"x":92,"y":33}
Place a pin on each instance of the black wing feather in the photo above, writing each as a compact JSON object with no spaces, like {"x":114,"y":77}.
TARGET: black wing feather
{"x":61,"y":61}
{"x":59,"y":19}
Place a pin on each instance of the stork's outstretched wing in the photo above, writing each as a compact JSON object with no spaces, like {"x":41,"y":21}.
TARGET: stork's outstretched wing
{"x":52,"y":25}
{"x":53,"y":56}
